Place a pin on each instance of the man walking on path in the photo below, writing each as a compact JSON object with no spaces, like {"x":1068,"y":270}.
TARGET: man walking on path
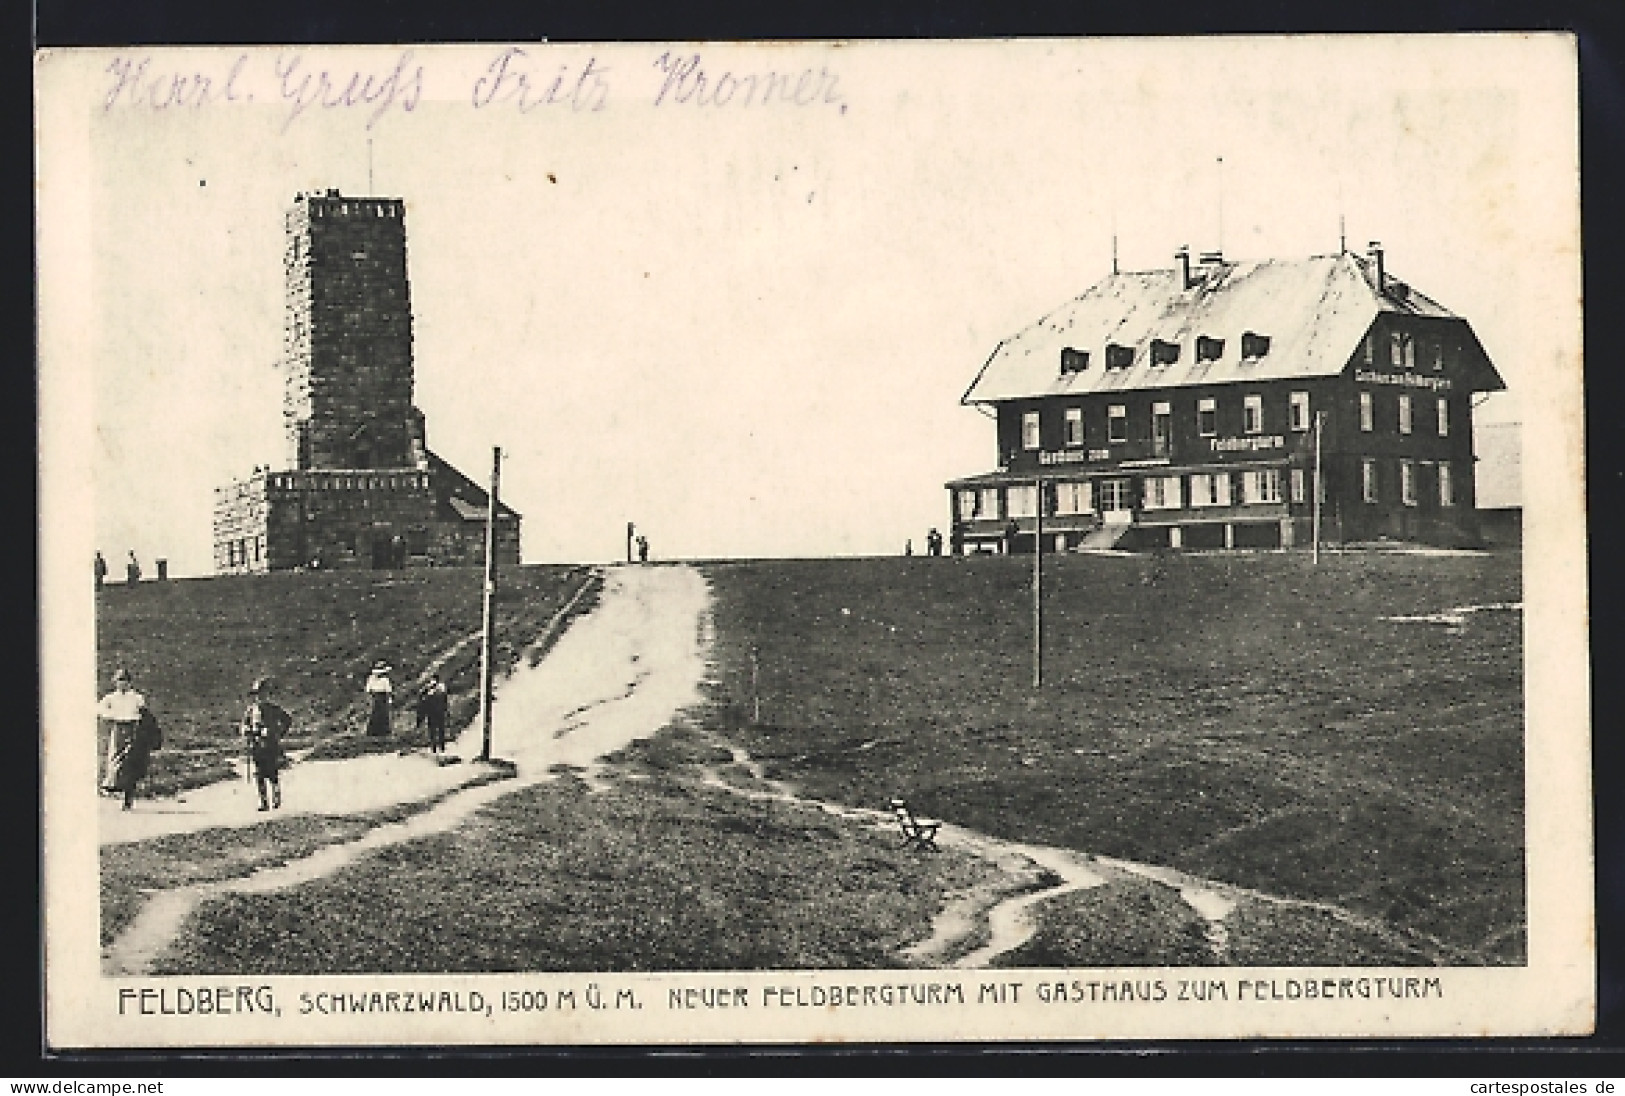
{"x":432,"y":710}
{"x":264,"y":725}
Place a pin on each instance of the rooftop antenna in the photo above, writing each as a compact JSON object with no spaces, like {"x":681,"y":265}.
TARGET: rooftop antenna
{"x":1342,"y":235}
{"x":1221,"y":205}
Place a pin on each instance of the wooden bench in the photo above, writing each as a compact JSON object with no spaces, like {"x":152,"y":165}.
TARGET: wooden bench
{"x":916,"y":831}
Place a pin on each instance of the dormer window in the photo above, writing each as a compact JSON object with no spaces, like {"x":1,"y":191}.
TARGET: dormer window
{"x":1209,"y":349}
{"x":1119,"y":357}
{"x":1254,"y":346}
{"x":1164,"y":353}
{"x":1074,"y":361}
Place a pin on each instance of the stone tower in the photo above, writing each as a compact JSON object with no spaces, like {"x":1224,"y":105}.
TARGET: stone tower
{"x":347,"y":341}
{"x":360,"y":487}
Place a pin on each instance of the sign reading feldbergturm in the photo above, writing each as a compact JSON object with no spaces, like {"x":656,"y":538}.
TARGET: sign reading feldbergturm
{"x":361,"y":487}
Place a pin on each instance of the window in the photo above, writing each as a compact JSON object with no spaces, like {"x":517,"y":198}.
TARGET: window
{"x":1023,"y":501}
{"x":1162,"y":493}
{"x":1404,"y":414}
{"x":1210,"y":489}
{"x":1119,"y":357}
{"x":1365,"y":411}
{"x":1252,"y":415}
{"x":1368,"y":480}
{"x":1163,"y":352}
{"x":1072,"y":497}
{"x":1114,"y":494}
{"x":1435,"y":354}
{"x":989,"y":505}
{"x":1366,"y":349}
{"x":1407,"y":482}
{"x":1402,"y":349}
{"x":1254,"y":346}
{"x":1074,"y":361}
{"x":1209,"y":349}
{"x":1074,"y":426}
{"x":1207,"y":417}
{"x":1117,"y":423}
{"x":1029,"y":430}
{"x":1444,"y":418}
{"x":1300,"y":410}
{"x":1300,"y":485}
{"x":967,"y":505}
{"x":1261,"y":485}
{"x":1447,"y":491}
{"x":1162,"y":429}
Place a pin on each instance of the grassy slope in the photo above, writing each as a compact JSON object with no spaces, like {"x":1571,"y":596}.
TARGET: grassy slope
{"x":194,"y":647}
{"x":1246,"y":718}
{"x":657,"y":875}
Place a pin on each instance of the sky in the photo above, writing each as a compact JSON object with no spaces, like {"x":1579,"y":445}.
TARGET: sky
{"x":746,"y":326}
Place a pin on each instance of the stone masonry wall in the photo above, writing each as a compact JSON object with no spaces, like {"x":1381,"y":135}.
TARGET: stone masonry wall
{"x":347,"y":339}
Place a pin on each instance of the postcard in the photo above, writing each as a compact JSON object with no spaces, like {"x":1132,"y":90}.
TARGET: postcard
{"x":813,"y":542}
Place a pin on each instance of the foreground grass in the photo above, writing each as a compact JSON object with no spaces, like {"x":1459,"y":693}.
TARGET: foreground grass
{"x":1245,"y":718}
{"x":656,"y":874}
{"x":132,"y":870}
{"x":194,"y":647}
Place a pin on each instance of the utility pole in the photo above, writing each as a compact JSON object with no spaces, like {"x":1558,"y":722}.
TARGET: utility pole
{"x":1315,"y":491}
{"x":488,"y":630}
{"x":629,"y":530}
{"x":1038,"y":586}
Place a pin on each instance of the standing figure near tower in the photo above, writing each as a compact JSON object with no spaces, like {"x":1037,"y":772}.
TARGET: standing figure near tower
{"x":264,"y":726}
{"x":132,"y":570}
{"x":380,"y":691}
{"x":432,"y":708}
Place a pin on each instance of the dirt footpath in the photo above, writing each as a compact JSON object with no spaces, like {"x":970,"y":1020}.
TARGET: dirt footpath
{"x":639,"y":648}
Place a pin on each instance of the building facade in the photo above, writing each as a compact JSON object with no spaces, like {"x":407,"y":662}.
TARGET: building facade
{"x":1193,"y":407}
{"x":360,"y":487}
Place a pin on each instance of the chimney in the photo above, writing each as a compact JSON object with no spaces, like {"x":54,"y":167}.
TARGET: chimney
{"x":1183,"y":255}
{"x":1374,"y":252}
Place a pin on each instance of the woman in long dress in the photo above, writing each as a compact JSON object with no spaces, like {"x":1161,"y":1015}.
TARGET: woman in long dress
{"x":380,"y":690}
{"x":130,"y":741}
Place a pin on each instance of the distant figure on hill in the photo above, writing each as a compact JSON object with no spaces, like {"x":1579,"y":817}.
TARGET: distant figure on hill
{"x":100,"y":568}
{"x":264,"y":726}
{"x":908,"y":547}
{"x":132,"y":736}
{"x":432,"y":710}
{"x":1010,"y":531}
{"x":132,"y":570}
{"x":933,"y":543}
{"x":643,"y":549}
{"x":381,"y":691}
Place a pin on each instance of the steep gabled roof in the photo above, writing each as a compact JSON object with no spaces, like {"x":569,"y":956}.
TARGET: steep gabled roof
{"x":458,"y":498}
{"x":1314,"y":312}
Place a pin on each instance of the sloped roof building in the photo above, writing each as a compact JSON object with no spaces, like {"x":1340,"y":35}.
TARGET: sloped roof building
{"x":361,"y":488}
{"x":1182,"y":408}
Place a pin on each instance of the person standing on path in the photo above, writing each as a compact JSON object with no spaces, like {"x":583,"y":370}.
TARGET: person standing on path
{"x":132,"y":570}
{"x":99,"y":567}
{"x":133,"y":735}
{"x":381,"y":692}
{"x":264,"y":726}
{"x":643,"y":549}
{"x":432,"y":710}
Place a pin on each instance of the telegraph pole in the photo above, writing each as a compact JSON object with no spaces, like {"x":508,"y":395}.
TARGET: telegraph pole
{"x":1315,"y":491}
{"x":488,"y":630}
{"x":630,"y":527}
{"x":1038,"y":586}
